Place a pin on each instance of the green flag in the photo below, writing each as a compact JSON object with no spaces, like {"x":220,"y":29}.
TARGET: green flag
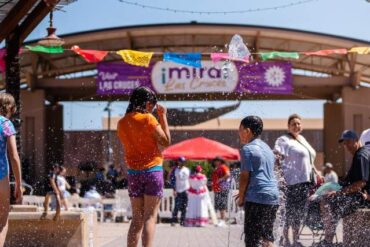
{"x":45,"y":49}
{"x":271,"y":55}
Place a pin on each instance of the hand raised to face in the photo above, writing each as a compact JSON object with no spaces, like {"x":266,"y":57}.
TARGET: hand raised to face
{"x":161,"y":109}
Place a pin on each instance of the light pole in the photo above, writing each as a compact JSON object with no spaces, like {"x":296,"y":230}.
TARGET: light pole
{"x":109,"y":142}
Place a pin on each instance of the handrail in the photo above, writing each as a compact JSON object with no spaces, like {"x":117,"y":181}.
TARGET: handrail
{"x":25,"y":185}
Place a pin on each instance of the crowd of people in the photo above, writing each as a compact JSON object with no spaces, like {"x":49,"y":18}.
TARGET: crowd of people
{"x":190,"y":189}
{"x":143,"y":137}
{"x":259,"y":191}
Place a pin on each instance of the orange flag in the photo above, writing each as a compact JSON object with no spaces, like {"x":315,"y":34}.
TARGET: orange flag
{"x":326,"y":52}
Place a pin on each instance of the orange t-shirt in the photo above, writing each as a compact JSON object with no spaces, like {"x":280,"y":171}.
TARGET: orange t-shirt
{"x":216,"y":175}
{"x":136,"y":133}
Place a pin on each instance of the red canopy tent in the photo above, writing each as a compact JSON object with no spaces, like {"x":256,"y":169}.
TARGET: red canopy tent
{"x":201,"y":148}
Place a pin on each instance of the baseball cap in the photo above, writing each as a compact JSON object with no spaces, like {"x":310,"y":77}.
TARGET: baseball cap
{"x":181,"y":159}
{"x":328,"y":165}
{"x":348,"y":135}
{"x":365,"y":137}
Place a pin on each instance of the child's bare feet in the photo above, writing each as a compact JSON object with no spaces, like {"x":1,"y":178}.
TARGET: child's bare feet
{"x":43,"y":216}
{"x":56,"y":217}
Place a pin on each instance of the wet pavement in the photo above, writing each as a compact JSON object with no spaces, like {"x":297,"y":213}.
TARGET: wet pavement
{"x":114,"y":235}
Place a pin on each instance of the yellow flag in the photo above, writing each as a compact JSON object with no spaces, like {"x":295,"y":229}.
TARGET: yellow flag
{"x":137,"y":58}
{"x":361,"y":50}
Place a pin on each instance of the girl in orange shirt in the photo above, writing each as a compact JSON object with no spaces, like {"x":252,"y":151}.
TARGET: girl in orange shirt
{"x":141,"y":136}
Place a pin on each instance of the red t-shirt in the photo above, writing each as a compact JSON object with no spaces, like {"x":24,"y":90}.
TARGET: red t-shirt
{"x":218,"y":173}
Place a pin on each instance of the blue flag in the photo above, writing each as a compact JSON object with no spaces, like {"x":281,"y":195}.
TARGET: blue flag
{"x":190,"y":59}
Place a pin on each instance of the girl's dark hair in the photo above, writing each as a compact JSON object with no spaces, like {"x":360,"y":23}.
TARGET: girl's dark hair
{"x":138,"y":99}
{"x":293,"y":116}
{"x":254,"y":123}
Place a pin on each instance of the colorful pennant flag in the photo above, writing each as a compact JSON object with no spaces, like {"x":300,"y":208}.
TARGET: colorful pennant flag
{"x":2,"y":62}
{"x":91,"y":56}
{"x":225,"y":56}
{"x":361,"y":50}
{"x":190,"y":59}
{"x":45,"y":49}
{"x":271,"y":55}
{"x":137,"y":58}
{"x":326,"y":52}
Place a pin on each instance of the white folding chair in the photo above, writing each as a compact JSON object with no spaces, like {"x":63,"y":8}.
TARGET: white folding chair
{"x":121,"y":206}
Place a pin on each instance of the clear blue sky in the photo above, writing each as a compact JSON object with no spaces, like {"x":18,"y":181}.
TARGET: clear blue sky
{"x":337,"y":17}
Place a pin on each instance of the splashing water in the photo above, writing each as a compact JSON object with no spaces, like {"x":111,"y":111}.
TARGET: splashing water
{"x":90,"y":222}
{"x":232,"y":207}
{"x":237,"y":48}
{"x":280,"y":215}
{"x":227,"y":69}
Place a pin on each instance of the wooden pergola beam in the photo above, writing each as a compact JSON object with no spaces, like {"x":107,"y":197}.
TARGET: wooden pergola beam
{"x":33,"y":19}
{"x":14,"y":16}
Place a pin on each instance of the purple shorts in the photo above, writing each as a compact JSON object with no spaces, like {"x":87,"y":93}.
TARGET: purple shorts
{"x":148,"y":183}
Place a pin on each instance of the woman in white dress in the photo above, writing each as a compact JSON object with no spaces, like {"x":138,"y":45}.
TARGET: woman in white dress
{"x":197,"y":212}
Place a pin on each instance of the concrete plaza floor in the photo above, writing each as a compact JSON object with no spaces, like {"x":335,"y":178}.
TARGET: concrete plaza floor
{"x":114,"y":235}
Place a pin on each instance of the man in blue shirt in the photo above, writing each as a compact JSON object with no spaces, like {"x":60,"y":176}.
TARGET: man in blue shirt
{"x":258,"y":190}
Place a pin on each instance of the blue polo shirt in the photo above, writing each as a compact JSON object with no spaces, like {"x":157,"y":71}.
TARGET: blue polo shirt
{"x":258,"y":159}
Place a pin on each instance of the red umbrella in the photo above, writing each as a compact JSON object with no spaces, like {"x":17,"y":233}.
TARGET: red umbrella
{"x":201,"y":148}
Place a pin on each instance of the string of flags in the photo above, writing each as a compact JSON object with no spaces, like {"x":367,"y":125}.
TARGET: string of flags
{"x":237,"y":51}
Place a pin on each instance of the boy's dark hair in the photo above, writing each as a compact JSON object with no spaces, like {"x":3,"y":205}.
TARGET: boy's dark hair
{"x":138,"y":99}
{"x":254,"y":123}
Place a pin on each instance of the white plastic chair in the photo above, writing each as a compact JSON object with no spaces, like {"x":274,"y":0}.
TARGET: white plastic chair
{"x":167,"y":204}
{"x":93,"y":203}
{"x":121,"y":206}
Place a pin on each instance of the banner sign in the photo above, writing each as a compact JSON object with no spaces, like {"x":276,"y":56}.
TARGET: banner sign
{"x":212,"y":77}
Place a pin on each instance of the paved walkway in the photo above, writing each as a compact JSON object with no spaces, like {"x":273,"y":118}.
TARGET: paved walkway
{"x":114,"y":235}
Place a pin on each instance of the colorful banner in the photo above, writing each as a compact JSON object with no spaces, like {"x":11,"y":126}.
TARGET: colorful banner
{"x":90,"y":56}
{"x":216,"y":57}
{"x":326,"y":52}
{"x":170,"y":78}
{"x":274,"y":54}
{"x":46,"y":49}
{"x":190,"y":59}
{"x":137,"y":58}
{"x":361,"y":50}
{"x":2,"y":63}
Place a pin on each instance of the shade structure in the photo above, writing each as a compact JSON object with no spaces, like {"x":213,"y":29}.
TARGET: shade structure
{"x":201,"y":148}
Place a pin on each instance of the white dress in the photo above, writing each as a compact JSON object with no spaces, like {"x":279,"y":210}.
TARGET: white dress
{"x":197,"y":212}
{"x":62,"y":185}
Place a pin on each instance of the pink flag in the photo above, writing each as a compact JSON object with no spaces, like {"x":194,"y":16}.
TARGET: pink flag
{"x":225,"y":56}
{"x":2,"y":60}
{"x":326,"y":52}
{"x":91,"y":56}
